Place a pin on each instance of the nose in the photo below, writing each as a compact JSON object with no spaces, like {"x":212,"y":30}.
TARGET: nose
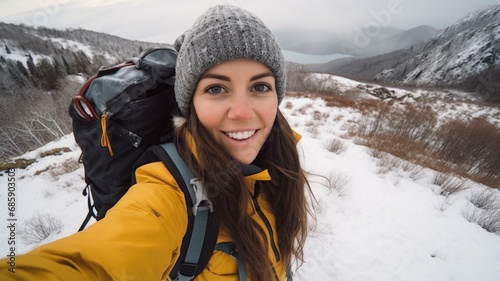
{"x":241,"y":107}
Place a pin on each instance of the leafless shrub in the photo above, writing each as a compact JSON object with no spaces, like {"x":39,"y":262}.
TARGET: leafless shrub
{"x":485,"y":199}
{"x":336,"y":146}
{"x":303,"y":109}
{"x":39,"y":227}
{"x":338,"y":117}
{"x":317,"y":115}
{"x":373,"y":152}
{"x":387,"y":162}
{"x":445,"y":204}
{"x":34,"y":119}
{"x":312,"y":127}
{"x":466,"y":148}
{"x":415,"y":171}
{"x":296,"y":77}
{"x":488,"y":219}
{"x":339,"y":182}
{"x":47,"y":193}
{"x":472,"y":147}
{"x":449,"y":183}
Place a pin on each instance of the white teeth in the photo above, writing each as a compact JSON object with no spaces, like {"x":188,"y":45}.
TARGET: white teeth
{"x":241,"y":135}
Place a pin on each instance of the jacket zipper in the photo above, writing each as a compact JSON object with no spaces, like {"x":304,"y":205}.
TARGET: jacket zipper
{"x":268,"y":226}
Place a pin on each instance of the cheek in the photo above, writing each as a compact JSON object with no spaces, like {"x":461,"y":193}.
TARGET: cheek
{"x":268,"y":117}
{"x":270,"y":110}
{"x":208,"y":114}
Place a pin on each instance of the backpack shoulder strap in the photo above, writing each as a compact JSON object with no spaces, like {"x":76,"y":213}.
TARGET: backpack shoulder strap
{"x":199,"y":241}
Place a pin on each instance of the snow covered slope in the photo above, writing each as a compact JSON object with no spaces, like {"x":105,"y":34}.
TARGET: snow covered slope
{"x":460,"y":52}
{"x":370,"y":226}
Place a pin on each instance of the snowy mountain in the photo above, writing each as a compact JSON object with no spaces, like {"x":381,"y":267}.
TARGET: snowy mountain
{"x":377,"y":220}
{"x":464,"y":55}
{"x":464,"y":50}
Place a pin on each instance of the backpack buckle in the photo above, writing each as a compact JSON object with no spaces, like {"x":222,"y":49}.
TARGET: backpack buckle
{"x":201,"y":196}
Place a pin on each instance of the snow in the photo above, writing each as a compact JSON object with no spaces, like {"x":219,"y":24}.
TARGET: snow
{"x":376,"y":226}
{"x":73,"y":45}
{"x":22,"y":56}
{"x":19,"y":55}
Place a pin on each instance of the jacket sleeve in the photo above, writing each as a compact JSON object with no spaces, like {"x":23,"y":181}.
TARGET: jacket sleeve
{"x":139,"y":239}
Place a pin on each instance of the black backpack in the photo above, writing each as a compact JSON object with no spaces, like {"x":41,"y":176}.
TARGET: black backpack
{"x":120,"y":117}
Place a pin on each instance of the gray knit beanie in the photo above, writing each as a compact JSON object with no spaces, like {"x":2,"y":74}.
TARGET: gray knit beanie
{"x":224,"y":33}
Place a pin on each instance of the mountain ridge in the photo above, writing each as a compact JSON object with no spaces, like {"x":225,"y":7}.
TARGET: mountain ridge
{"x":465,"y":55}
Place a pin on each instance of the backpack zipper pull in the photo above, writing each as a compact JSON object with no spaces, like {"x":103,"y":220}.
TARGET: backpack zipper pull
{"x":105,"y":139}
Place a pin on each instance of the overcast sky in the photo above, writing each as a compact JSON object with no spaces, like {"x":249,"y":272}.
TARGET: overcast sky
{"x":163,"y":20}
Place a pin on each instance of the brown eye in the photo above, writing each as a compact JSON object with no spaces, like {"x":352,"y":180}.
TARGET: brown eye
{"x":215,"y":90}
{"x":262,"y":88}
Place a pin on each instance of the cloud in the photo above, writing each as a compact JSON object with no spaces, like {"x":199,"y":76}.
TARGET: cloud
{"x":163,"y":21}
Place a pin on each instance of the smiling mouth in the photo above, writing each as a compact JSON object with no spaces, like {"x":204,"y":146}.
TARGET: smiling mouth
{"x":240,"y":135}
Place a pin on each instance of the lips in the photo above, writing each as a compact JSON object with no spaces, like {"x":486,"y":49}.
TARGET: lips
{"x":241,"y":135}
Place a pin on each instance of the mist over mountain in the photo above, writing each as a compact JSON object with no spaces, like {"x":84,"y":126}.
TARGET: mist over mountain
{"x":403,"y":39}
{"x":357,"y":43}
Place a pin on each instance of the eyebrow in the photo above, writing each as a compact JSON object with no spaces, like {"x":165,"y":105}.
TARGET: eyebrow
{"x":225,"y":78}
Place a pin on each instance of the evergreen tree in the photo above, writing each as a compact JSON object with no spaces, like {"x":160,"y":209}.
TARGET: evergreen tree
{"x":31,"y":65}
{"x":68,"y":67}
{"x":59,"y":67}
{"x":83,"y":62}
{"x":17,"y":74}
{"x":7,"y":49}
{"x":22,"y":69}
{"x":47,"y":74}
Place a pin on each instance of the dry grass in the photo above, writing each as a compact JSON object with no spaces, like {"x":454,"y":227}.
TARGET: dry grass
{"x":20,"y":163}
{"x":472,"y":148}
{"x":485,"y":210}
{"x":468,"y":149}
{"x":59,"y":169}
{"x":54,"y":151}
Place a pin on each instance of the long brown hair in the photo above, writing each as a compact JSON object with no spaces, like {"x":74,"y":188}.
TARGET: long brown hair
{"x":227,"y":190}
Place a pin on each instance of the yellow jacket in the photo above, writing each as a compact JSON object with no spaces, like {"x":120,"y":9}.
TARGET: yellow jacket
{"x":139,"y":239}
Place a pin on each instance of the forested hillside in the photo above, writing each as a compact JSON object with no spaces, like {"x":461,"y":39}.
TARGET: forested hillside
{"x":40,"y":70}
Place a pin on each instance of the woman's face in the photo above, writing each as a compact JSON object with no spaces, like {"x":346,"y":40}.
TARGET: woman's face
{"x":236,"y":102}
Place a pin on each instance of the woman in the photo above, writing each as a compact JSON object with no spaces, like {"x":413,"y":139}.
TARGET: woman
{"x":230,"y":79}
